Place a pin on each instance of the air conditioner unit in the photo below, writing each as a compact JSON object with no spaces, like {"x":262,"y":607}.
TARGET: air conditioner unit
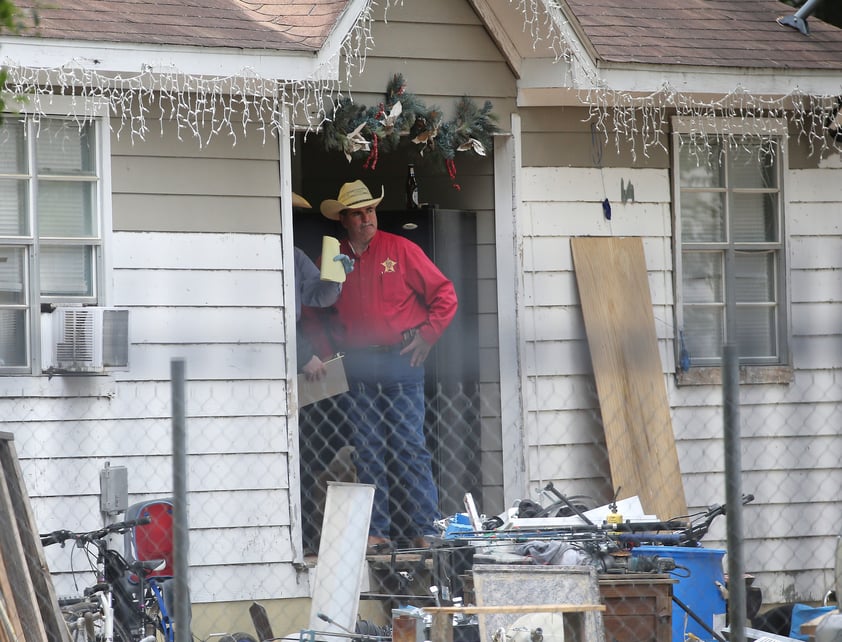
{"x":86,"y":340}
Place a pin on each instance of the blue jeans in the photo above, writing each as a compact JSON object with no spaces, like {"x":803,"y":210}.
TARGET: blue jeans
{"x":385,"y":410}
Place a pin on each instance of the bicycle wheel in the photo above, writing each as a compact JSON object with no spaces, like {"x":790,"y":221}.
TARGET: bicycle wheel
{"x":83,"y":619}
{"x":85,"y":623}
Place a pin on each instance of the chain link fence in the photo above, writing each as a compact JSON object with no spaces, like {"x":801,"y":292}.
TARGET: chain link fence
{"x":256,"y":519}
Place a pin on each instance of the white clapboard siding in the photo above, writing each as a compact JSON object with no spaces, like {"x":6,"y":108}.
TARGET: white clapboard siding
{"x":168,"y":139}
{"x":816,"y":252}
{"x":256,"y":288}
{"x":585,"y":218}
{"x":553,"y":253}
{"x":558,"y":358}
{"x":575,"y":427}
{"x":209,"y":361}
{"x":241,"y":582}
{"x":185,"y":251}
{"x":816,"y":318}
{"x":812,"y":286}
{"x":206,"y":509}
{"x":217,"y":324}
{"x":812,"y":219}
{"x":562,"y":393}
{"x":814,"y":186}
{"x":251,"y":545}
{"x":152,"y":400}
{"x":572,"y":184}
{"x":205,"y":176}
{"x":581,"y":461}
{"x":255,"y":214}
{"x":781,"y":587}
{"x":153,"y":474}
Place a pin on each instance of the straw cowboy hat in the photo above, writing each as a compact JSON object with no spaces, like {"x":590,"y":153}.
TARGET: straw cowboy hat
{"x":351,"y":196}
{"x":300,"y":201}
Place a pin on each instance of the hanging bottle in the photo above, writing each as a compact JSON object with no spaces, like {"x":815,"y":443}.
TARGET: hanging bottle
{"x":411,"y":188}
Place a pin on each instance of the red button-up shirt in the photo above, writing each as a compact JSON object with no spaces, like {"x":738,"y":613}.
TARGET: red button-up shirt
{"x":393,"y":287}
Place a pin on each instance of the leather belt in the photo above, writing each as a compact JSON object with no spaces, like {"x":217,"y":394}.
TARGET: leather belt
{"x":406,"y":335}
{"x":391,"y":348}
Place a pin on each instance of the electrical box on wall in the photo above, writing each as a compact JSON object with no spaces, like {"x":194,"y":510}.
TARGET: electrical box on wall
{"x":113,"y":489}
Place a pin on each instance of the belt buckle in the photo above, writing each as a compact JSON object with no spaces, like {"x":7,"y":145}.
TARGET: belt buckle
{"x":407,"y":336}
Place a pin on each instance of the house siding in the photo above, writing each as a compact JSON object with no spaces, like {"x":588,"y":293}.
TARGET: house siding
{"x":196,"y":256}
{"x":790,"y":454}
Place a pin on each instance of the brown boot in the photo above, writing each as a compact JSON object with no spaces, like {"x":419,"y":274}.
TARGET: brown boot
{"x":422,"y":541}
{"x":378,"y":545}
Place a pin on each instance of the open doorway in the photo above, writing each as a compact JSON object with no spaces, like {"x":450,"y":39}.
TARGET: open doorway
{"x":451,"y":237}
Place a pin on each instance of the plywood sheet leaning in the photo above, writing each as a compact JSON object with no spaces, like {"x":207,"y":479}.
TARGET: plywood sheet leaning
{"x":31,"y":606}
{"x":620,"y":326}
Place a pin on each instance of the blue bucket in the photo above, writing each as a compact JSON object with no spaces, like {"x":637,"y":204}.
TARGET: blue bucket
{"x":698,"y":571}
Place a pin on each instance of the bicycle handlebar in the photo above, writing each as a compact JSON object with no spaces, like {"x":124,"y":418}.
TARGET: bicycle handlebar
{"x":61,"y":536}
{"x":695,"y":532}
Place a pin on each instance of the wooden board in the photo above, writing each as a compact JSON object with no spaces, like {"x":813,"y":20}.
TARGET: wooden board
{"x":620,"y":326}
{"x":23,"y":558}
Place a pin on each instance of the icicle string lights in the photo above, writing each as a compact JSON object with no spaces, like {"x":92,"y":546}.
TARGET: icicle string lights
{"x":205,"y":108}
{"x":202,"y":107}
{"x":641,"y":123}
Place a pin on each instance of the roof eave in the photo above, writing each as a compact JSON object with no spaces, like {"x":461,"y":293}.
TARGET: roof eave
{"x":641,"y":81}
{"x":118,"y":58}
{"x":111,"y":58}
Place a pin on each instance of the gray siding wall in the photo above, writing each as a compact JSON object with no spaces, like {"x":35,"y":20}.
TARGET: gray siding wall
{"x":196,"y":257}
{"x":790,"y":446}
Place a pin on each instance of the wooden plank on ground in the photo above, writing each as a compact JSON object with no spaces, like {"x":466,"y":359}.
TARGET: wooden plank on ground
{"x":620,"y":326}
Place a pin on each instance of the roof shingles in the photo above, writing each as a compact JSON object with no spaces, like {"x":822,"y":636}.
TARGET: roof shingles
{"x":719,"y":33}
{"x":284,"y":25}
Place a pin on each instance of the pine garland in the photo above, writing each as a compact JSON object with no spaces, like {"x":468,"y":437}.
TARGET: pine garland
{"x":366,"y":132}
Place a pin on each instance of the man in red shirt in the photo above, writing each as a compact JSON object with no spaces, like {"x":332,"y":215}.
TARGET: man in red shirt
{"x":394,"y":306}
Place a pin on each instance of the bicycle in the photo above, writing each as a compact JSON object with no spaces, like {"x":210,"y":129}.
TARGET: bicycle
{"x":114,"y":609}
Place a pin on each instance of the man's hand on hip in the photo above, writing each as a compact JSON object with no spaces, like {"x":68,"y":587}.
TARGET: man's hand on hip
{"x":419,"y":349}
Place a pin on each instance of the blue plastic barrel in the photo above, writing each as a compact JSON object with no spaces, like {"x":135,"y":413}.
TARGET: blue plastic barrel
{"x":698,"y":571}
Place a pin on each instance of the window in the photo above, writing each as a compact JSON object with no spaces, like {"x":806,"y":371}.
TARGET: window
{"x":51,"y":222}
{"x":730,"y":243}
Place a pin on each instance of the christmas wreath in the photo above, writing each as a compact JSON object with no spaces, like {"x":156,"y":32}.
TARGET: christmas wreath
{"x":365,"y":132}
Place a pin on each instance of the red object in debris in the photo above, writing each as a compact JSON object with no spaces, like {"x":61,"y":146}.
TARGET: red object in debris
{"x":153,"y":541}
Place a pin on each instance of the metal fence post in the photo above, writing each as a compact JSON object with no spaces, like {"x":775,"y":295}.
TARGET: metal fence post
{"x":733,"y":494}
{"x":180,"y":543}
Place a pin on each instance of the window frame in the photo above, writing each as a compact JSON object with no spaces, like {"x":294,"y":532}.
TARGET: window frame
{"x":74,"y":109}
{"x":773,"y":371}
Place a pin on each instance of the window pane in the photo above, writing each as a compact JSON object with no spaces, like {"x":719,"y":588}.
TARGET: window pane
{"x":756,"y":331}
{"x":13,"y":338}
{"x":702,"y":218}
{"x":702,"y":277}
{"x":754,"y":218}
{"x":703,"y":332}
{"x":14,"y":204}
{"x":698,"y":167}
{"x":65,"y":209}
{"x":12,"y":275}
{"x":12,"y":149}
{"x":752,"y":165}
{"x":67,"y":271}
{"x":62,"y":148}
{"x":755,"y":277}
